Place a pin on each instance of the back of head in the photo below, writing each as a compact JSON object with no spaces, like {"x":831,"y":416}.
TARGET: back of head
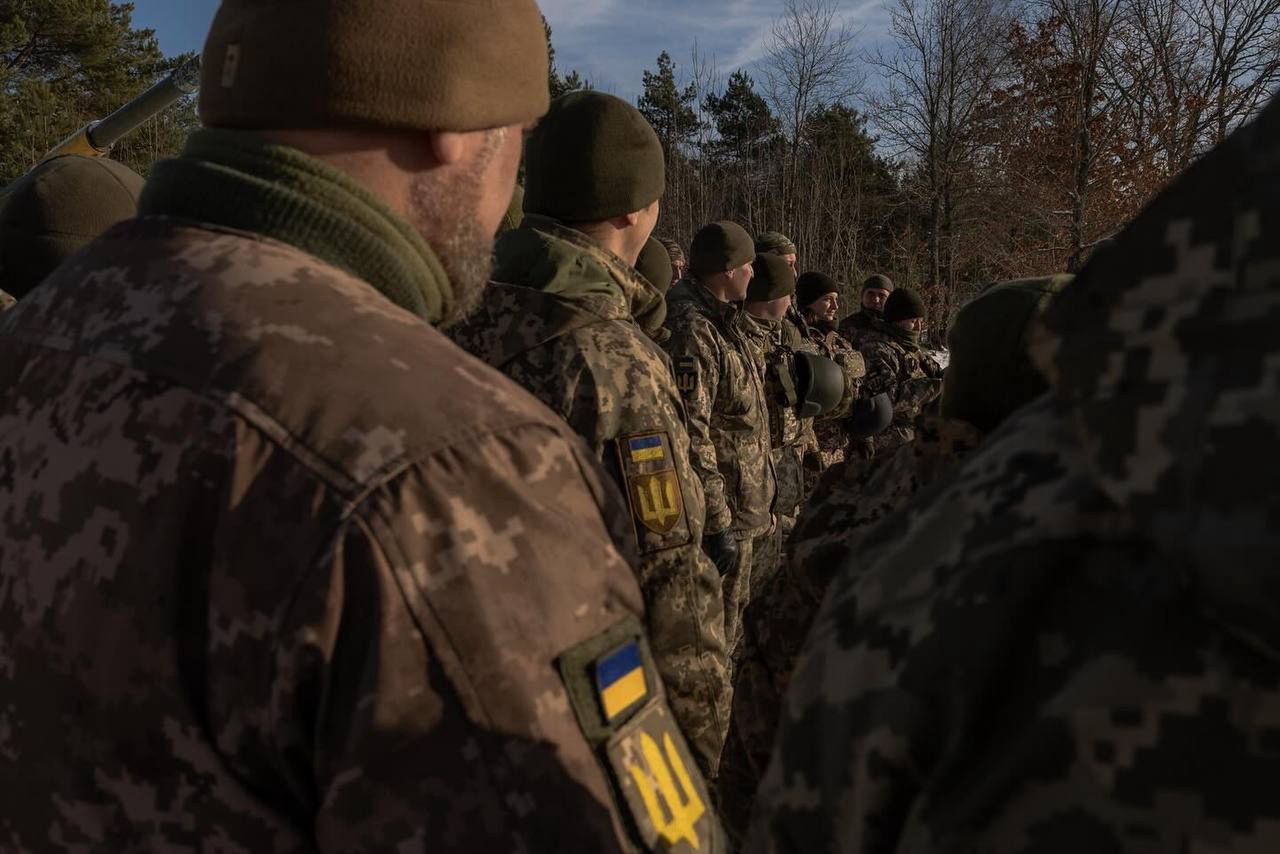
{"x":773,"y":279}
{"x":591,"y":158}
{"x":55,"y":210}
{"x":429,"y":65}
{"x":991,"y":374}
{"x":655,"y":264}
{"x":720,"y":247}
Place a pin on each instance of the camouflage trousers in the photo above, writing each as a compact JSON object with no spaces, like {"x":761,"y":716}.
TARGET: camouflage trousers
{"x":758,"y":561}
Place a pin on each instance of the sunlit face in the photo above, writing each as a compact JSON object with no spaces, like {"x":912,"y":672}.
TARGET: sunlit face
{"x":873,"y":299}
{"x":741,"y":279}
{"x":771,"y":310}
{"x":791,"y":261}
{"x":677,"y":271}
{"x":825,"y":308}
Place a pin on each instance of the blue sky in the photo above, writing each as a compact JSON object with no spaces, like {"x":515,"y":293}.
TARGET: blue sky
{"x":609,"y":41}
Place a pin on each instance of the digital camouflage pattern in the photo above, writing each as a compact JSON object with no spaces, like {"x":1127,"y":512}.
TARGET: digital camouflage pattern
{"x":831,"y":434}
{"x":861,"y":328}
{"x":897,"y":366}
{"x":283,"y":569}
{"x":724,"y":396}
{"x":567,"y":328}
{"x":849,"y":500}
{"x":1072,"y":643}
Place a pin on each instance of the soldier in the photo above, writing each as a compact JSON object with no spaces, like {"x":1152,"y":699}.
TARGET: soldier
{"x":896,"y":366}
{"x":678,"y":261}
{"x":281,"y":568}
{"x":866,"y":324}
{"x":774,"y":243}
{"x":993,"y":377}
{"x":654,"y":263}
{"x":818,"y":300}
{"x":569,"y":324}
{"x":724,"y":393}
{"x":54,"y":211}
{"x":1071,"y":644}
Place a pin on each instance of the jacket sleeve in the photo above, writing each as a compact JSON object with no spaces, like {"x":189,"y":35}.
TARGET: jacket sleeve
{"x":416,"y":691}
{"x":697,"y":369}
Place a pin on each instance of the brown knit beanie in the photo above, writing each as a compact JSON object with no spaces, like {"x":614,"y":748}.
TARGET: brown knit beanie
{"x":455,"y":65}
{"x":593,"y":157}
{"x":719,"y":248}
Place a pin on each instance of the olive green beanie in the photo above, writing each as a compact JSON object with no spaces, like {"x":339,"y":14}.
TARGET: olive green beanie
{"x":812,"y":286}
{"x":903,"y":304}
{"x":593,"y":157}
{"x":773,"y":279}
{"x":878,"y":282}
{"x":55,"y":210}
{"x":775,"y":243}
{"x":654,"y":264}
{"x":720,"y":247}
{"x":456,"y":65}
{"x":991,"y":373}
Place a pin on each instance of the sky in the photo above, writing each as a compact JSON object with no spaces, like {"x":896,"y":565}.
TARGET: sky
{"x":610,"y":42}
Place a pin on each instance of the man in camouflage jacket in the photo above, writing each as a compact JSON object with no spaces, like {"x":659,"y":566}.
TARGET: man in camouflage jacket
{"x":989,"y":341}
{"x":867,"y":323}
{"x":1071,"y":644}
{"x":897,"y":366}
{"x":281,"y":568}
{"x":724,"y":394}
{"x":570,"y":321}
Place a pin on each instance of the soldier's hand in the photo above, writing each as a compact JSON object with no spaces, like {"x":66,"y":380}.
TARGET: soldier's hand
{"x":722,"y":548}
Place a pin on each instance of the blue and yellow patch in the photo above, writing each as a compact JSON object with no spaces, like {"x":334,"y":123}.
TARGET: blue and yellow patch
{"x":646,"y":449}
{"x":620,"y":681}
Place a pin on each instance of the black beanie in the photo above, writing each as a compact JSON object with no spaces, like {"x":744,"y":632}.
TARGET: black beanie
{"x":773,"y":279}
{"x":903,"y":304}
{"x":811,"y":287}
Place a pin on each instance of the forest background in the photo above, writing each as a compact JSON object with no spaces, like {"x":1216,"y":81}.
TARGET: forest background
{"x":975,"y":141}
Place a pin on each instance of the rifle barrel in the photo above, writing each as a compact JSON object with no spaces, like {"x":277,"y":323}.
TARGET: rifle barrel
{"x":184,"y":80}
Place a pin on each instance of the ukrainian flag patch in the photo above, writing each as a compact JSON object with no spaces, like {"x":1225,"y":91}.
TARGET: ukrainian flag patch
{"x":620,"y":681}
{"x":646,"y":449}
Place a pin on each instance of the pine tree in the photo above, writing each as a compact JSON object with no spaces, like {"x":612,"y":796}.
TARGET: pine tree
{"x":743,"y":121}
{"x":667,"y":107}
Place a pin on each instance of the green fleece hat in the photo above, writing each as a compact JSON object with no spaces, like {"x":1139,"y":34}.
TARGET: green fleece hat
{"x":991,"y":373}
{"x":903,"y":304}
{"x":655,"y":264}
{"x":811,"y":287}
{"x":392,"y":64}
{"x":720,"y":247}
{"x":593,"y":157}
{"x":55,"y":210}
{"x":878,"y":282}
{"x":773,"y":279}
{"x":775,"y":243}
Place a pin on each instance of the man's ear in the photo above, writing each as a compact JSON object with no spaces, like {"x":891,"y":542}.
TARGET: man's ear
{"x":625,"y":221}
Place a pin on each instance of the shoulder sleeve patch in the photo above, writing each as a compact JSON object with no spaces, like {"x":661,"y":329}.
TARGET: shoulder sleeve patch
{"x":654,"y":491}
{"x":686,"y":371}
{"x":616,"y":695}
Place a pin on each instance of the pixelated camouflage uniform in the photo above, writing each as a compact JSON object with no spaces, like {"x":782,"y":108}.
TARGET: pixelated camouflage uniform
{"x":849,"y":500}
{"x":1072,"y":643}
{"x":281,"y":568}
{"x":897,"y":366}
{"x":570,"y":327}
{"x":724,"y":396}
{"x":861,"y":328}
{"x":831,"y":434}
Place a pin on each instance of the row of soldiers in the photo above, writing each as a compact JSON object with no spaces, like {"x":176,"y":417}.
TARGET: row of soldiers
{"x":281,"y":567}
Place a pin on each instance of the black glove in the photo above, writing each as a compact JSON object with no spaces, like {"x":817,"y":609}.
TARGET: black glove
{"x":871,"y":415}
{"x":722,"y":548}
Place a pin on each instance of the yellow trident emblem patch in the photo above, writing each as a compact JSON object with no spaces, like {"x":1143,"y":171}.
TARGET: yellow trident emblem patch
{"x":657,"y":501}
{"x":667,"y":791}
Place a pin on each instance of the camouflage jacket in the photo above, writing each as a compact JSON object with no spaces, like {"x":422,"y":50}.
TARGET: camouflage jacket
{"x":898,"y":367}
{"x":724,"y":394}
{"x":282,"y":568}
{"x":831,"y":433}
{"x":861,"y":328}
{"x":1073,"y":642}
{"x":566,"y":330}
{"x":850,"y":499}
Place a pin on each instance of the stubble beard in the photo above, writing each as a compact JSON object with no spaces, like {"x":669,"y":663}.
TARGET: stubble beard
{"x":445,"y":211}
